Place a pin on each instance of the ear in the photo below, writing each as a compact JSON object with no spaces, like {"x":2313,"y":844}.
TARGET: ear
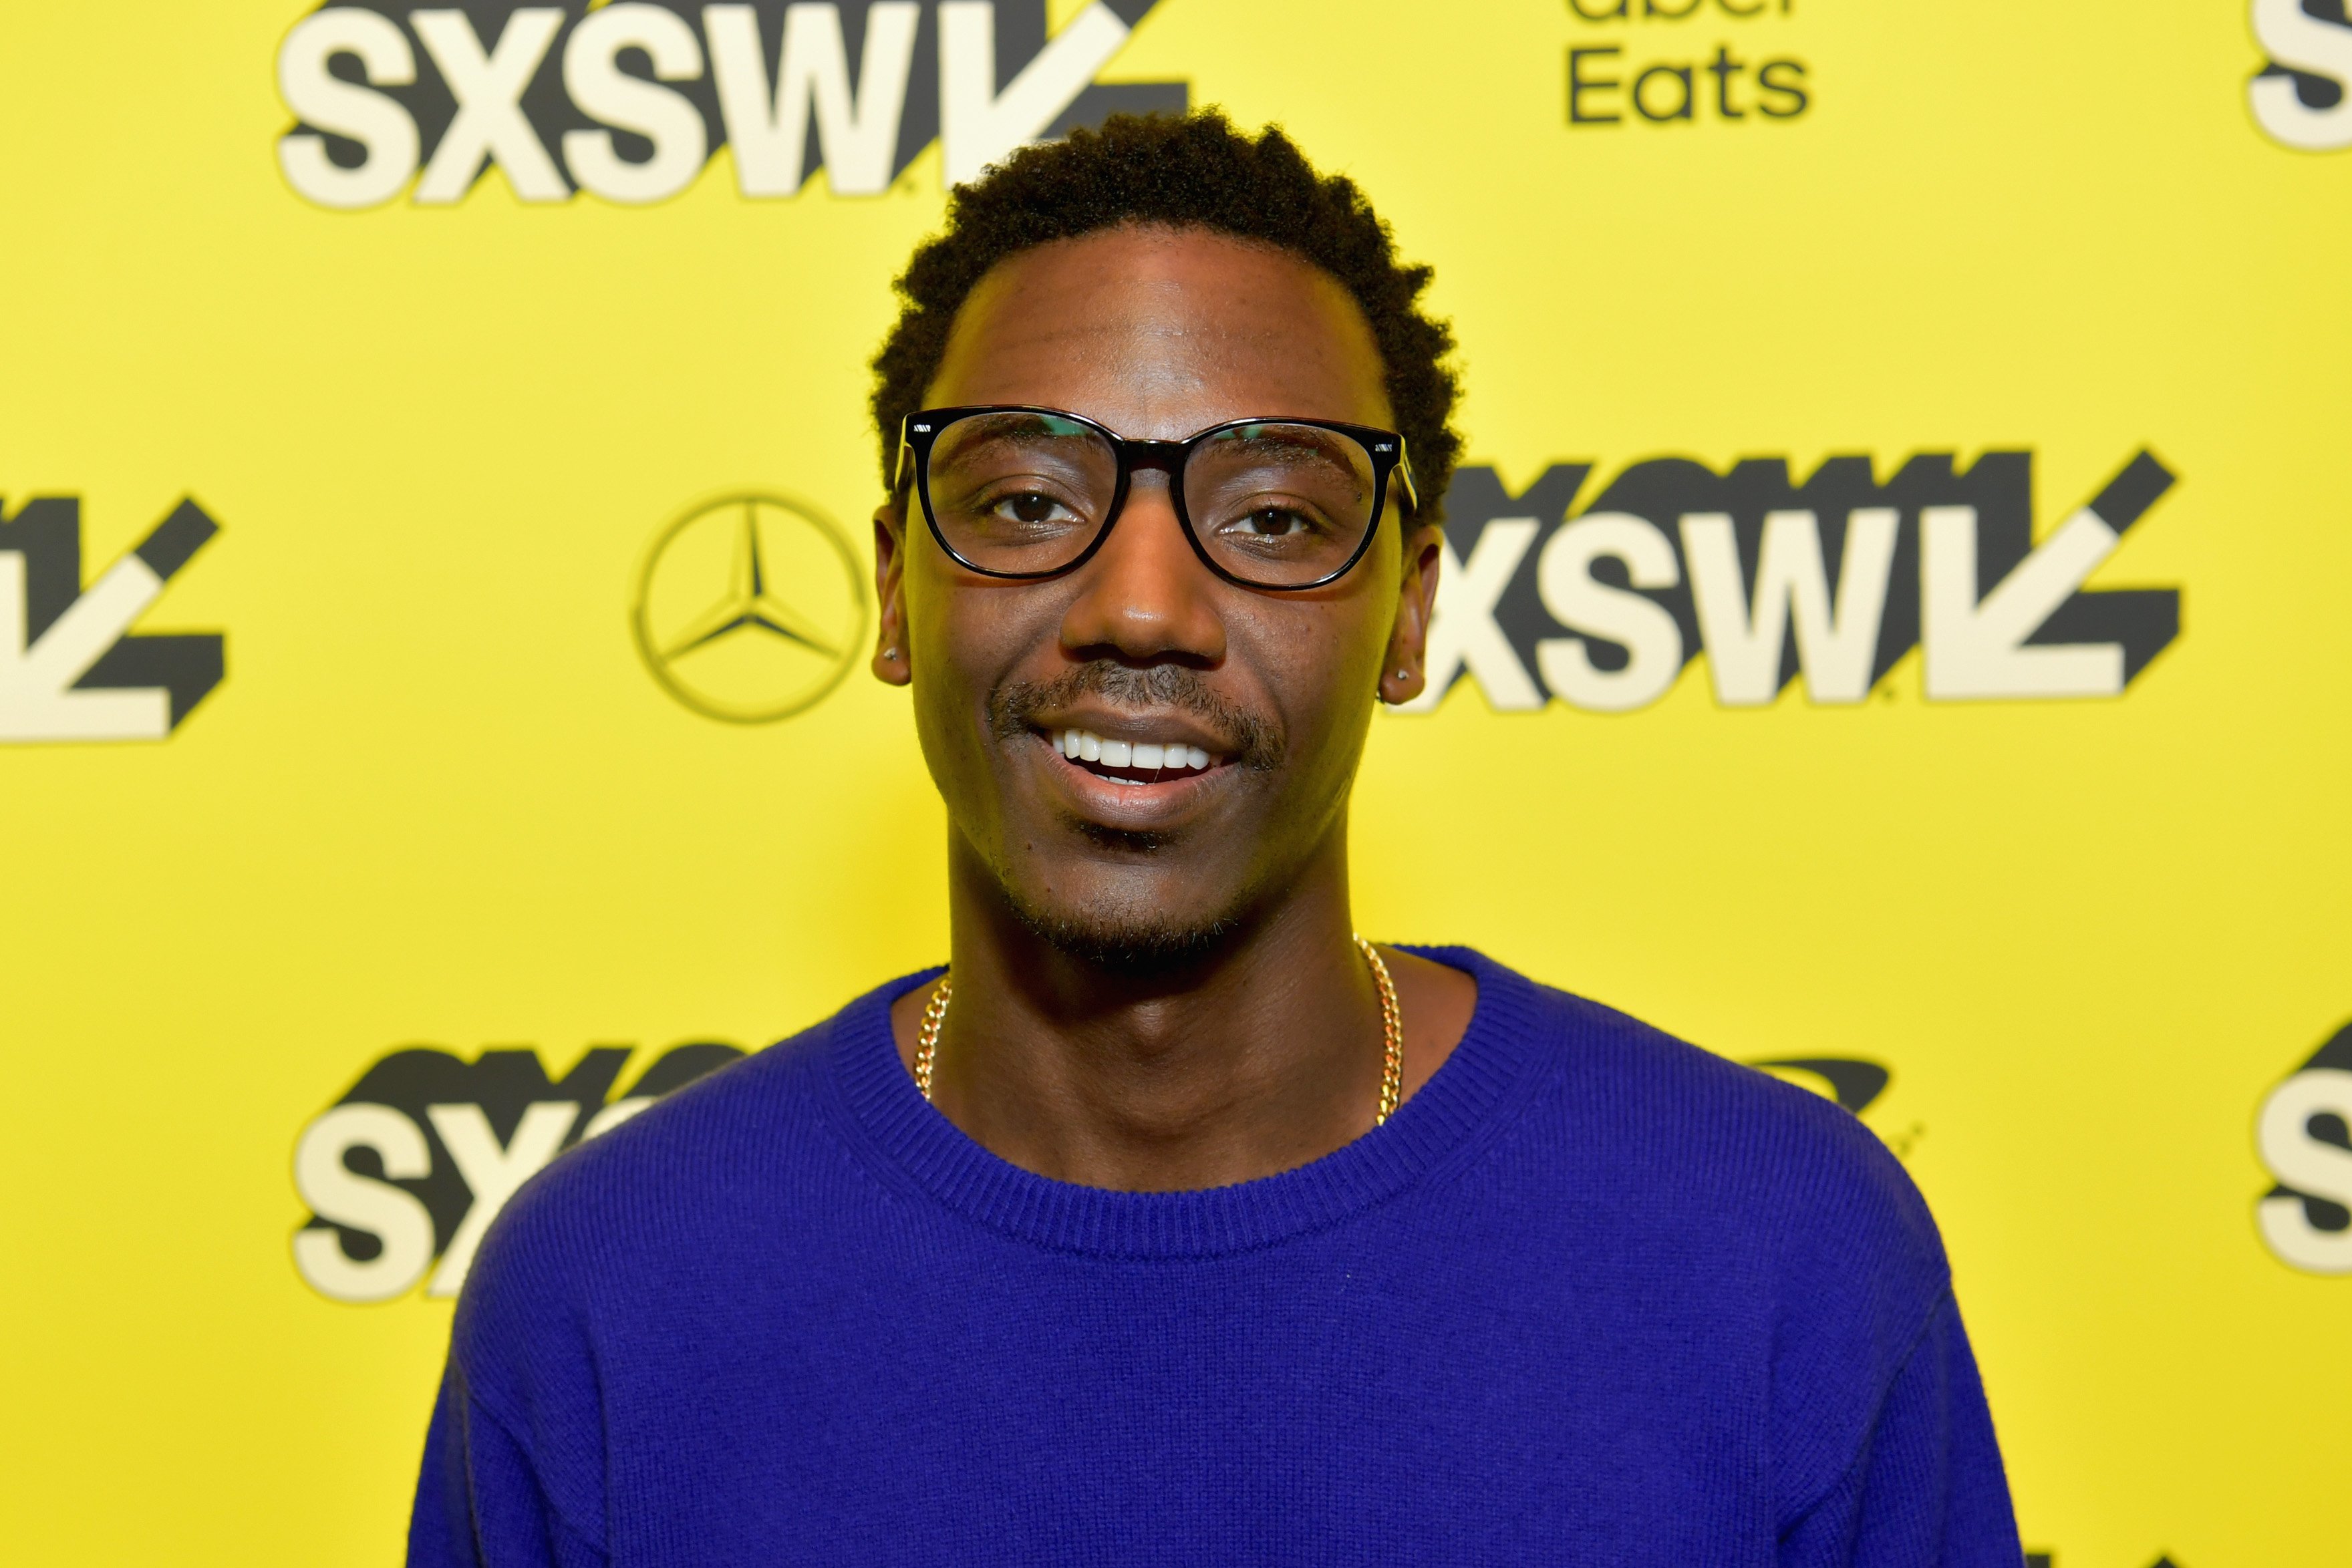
{"x":1403,"y":676}
{"x":892,"y":664}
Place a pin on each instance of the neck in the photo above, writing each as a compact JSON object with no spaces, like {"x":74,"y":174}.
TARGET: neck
{"x":1259,"y":1055}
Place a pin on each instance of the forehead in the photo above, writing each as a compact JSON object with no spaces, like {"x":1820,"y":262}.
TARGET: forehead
{"x":1160,"y":332}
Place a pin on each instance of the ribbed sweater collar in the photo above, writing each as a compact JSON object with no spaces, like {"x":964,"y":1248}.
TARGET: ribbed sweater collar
{"x":1470,"y":1093}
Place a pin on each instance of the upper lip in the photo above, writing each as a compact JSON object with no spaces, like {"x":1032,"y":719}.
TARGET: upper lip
{"x":1148,"y":727}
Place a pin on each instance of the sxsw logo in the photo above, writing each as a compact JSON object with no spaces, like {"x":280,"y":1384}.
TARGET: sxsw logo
{"x":629,"y":101}
{"x":410,"y":1166}
{"x":2304,"y":1134}
{"x":2301,"y":98}
{"x":1832,"y":581}
{"x":69,"y":670}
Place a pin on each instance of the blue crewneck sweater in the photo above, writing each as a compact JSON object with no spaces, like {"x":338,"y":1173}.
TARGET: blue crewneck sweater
{"x":1593,"y":1296}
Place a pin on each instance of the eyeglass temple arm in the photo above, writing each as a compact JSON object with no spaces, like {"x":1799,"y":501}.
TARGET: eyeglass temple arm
{"x":1404,"y":472}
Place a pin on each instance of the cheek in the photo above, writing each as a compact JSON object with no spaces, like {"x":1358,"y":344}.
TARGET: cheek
{"x":969,"y":640}
{"x":1362,"y":620}
{"x":1320,"y":663}
{"x":949,"y":684}
{"x":940,"y":616}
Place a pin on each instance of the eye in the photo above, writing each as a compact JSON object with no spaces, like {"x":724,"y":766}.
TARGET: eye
{"x":1029,"y":507}
{"x":1271,"y":522}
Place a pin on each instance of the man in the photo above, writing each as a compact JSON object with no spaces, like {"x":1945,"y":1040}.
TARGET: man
{"x":1173,"y":1224}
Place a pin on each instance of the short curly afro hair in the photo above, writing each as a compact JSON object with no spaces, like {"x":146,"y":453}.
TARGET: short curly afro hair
{"x":1189,"y":171}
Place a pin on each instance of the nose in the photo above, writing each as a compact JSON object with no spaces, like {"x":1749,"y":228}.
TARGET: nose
{"x":1145,"y":596}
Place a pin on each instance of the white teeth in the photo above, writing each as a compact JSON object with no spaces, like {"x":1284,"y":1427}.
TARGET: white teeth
{"x":1083,"y":745}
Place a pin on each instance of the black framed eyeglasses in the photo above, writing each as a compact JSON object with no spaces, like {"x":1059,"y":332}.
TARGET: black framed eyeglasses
{"x":1027,"y":493}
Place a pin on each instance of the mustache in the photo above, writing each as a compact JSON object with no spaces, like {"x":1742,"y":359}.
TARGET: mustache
{"x":1242,"y":734}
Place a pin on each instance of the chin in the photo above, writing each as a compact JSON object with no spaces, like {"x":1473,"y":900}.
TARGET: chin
{"x":1130,"y":936}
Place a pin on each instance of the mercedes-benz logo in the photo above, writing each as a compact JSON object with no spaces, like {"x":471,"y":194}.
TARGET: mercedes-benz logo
{"x":749,"y":607}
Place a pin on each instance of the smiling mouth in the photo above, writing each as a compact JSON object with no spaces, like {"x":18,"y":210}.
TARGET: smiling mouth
{"x":1130,"y":762}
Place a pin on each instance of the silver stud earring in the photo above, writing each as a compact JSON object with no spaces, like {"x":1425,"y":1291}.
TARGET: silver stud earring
{"x":890,"y":654}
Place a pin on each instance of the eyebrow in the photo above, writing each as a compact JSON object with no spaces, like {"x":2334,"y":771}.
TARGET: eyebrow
{"x":1017,"y":433}
{"x":1260,"y":440}
{"x":1025,"y":426}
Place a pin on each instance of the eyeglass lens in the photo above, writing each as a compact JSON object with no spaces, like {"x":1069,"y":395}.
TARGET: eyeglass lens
{"x":1273,"y":504}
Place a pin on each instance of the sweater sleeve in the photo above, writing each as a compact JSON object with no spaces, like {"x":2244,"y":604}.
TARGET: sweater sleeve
{"x":1927,"y":1489}
{"x":479,"y":1504}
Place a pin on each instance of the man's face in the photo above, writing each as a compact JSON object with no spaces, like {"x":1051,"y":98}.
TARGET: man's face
{"x":1155,"y":334}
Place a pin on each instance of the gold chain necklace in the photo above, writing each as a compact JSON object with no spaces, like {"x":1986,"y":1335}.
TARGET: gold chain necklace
{"x":927,"y":1043}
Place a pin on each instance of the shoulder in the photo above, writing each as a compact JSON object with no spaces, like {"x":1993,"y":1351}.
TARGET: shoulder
{"x":751,"y":1148}
{"x":633,"y":1176}
{"x":1777,"y":1206}
{"x":1687,"y":1122}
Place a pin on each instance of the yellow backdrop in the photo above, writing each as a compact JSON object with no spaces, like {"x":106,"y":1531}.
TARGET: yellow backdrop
{"x":432,"y":762}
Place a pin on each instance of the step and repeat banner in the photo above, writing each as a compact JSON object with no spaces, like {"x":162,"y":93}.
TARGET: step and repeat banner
{"x":1894,"y":632}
